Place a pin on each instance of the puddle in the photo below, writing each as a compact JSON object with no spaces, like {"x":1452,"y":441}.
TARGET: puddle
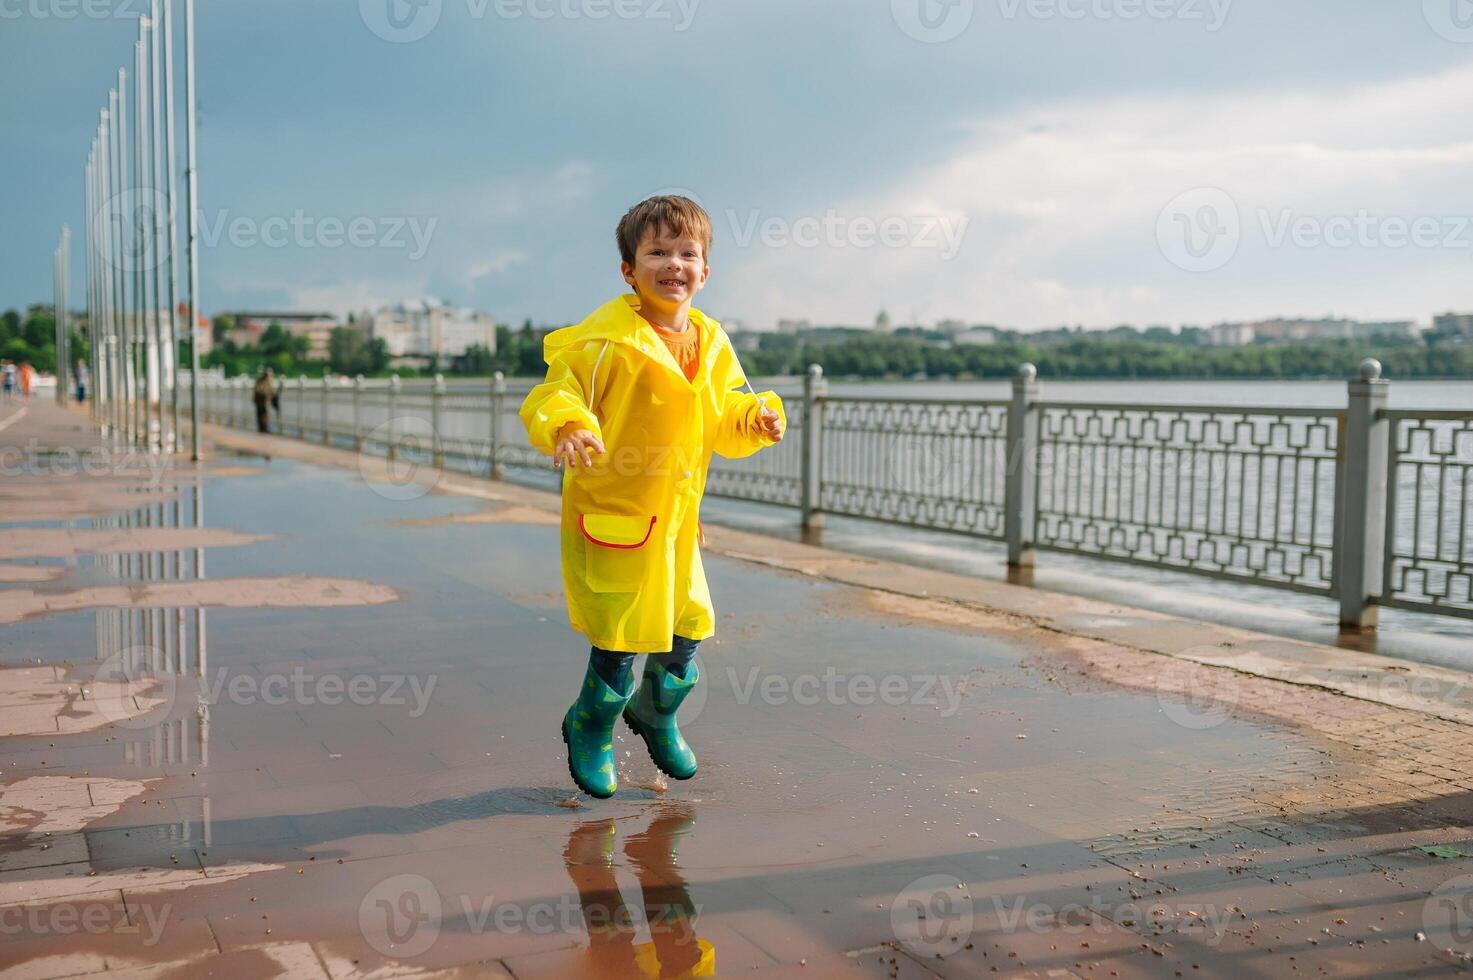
{"x":384,"y":779}
{"x":508,"y":514}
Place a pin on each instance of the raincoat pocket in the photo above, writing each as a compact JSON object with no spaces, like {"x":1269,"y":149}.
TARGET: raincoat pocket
{"x":616,"y":556}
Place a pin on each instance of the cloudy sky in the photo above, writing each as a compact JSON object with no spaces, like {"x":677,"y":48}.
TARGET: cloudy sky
{"x":1020,"y":162}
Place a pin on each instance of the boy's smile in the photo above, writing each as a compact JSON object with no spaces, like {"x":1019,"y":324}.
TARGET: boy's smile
{"x":667,"y":272}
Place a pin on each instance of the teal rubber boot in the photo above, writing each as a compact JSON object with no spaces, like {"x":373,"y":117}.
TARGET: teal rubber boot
{"x":588,"y":730}
{"x":651,"y":714}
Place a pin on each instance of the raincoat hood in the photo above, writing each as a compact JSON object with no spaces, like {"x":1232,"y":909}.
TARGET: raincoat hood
{"x":618,"y":321}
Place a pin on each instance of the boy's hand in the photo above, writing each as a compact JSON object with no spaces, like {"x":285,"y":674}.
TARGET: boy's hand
{"x":772,"y":425}
{"x":574,"y":443}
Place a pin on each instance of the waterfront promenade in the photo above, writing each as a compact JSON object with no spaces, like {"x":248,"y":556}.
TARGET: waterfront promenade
{"x":286,"y":712}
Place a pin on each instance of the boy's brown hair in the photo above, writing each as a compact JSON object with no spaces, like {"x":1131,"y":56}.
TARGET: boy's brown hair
{"x":671,"y":213}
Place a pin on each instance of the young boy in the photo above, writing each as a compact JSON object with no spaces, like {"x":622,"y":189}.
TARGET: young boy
{"x":637,"y":398}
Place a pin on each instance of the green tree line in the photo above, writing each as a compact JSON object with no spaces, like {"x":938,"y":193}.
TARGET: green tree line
{"x":31,"y":336}
{"x":1118,"y":353}
{"x":351,"y":351}
{"x":1106,"y":357}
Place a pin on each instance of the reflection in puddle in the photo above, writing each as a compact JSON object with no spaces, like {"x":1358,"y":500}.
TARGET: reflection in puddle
{"x":664,"y":912}
{"x":154,"y":657}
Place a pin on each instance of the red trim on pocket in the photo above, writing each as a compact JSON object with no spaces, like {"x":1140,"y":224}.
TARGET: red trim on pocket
{"x":610,"y":544}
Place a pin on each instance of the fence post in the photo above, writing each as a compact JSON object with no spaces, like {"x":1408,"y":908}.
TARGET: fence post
{"x":357,"y":427}
{"x":437,"y":398}
{"x":1021,"y":488}
{"x":498,"y":398}
{"x":326,"y":439}
{"x":1360,"y":505}
{"x":393,"y":448}
{"x":301,"y":411}
{"x":815,"y":388}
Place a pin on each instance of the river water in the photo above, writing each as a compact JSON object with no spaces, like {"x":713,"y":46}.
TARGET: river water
{"x":1280,"y":394}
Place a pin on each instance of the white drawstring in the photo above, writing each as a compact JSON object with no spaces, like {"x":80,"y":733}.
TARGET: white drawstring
{"x":593,"y":378}
{"x":760,"y":402}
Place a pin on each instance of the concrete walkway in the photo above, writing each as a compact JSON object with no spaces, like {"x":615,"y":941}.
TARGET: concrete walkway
{"x":314,"y":732}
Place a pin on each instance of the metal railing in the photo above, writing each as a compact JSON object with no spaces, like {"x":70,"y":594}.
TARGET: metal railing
{"x":1362,"y":504}
{"x":1429,"y":512}
{"x":1233,"y":493}
{"x":921,"y":462}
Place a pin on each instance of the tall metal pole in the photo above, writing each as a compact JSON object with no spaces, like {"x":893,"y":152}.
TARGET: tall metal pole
{"x":94,"y":313}
{"x":156,"y":221}
{"x":191,"y":176}
{"x":63,"y":258}
{"x":127,"y":323}
{"x":101,"y":378}
{"x":140,"y":282}
{"x":91,"y":270}
{"x":170,"y":185}
{"x":104,"y":254}
{"x":56,"y":318}
{"x":94,"y":318}
{"x":120,"y":321}
{"x":94,"y":351}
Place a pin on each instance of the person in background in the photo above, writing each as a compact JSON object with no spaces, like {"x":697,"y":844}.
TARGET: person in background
{"x":27,"y":380}
{"x":80,"y":374}
{"x":7,"y":371}
{"x":266,"y":396}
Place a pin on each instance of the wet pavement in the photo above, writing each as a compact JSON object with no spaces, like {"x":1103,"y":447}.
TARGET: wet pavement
{"x":269,"y":717}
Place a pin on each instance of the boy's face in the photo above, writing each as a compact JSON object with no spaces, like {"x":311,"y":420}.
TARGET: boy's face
{"x":668,"y":269}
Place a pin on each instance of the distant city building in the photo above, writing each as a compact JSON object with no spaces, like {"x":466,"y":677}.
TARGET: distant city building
{"x":1282,"y":330}
{"x":976,"y":336}
{"x":1230,"y":334}
{"x":251,"y":325}
{"x":1451,"y":328}
{"x":181,"y":326}
{"x":1387,"y":328}
{"x":951,"y":326}
{"x":793,"y":326}
{"x":882,"y":322}
{"x":418,"y":331}
{"x":745,"y":340}
{"x":202,"y":331}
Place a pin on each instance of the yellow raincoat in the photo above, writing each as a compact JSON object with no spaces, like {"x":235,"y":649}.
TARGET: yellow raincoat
{"x":631,"y":562}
